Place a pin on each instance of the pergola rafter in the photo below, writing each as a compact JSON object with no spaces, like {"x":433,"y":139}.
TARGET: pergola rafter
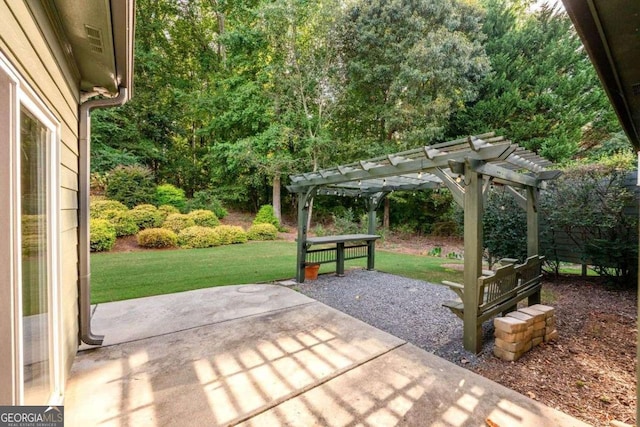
{"x":466,"y":166}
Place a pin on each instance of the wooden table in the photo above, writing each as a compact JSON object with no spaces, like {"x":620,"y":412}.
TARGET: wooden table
{"x":341,"y":248}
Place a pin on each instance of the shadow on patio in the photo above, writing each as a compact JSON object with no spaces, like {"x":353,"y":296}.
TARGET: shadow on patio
{"x":264,"y":355}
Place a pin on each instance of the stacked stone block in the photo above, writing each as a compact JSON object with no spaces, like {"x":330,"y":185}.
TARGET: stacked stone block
{"x":521,"y":330}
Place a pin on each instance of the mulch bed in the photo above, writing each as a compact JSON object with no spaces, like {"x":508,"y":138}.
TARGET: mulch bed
{"x":589,"y":372}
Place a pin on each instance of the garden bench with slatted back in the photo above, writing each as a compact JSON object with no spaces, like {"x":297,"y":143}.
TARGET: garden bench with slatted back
{"x":502,"y":290}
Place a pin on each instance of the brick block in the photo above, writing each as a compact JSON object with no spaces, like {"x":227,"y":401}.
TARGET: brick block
{"x":539,"y":325}
{"x":536,"y":341}
{"x":551,"y":322}
{"x":507,"y":355}
{"x":521,"y":316}
{"x":538,"y":333}
{"x":509,"y":324}
{"x":513,"y":347}
{"x":528,"y":345}
{"x":537,"y":315}
{"x":513,"y":337}
{"x":551,"y":336}
{"x":547,"y":310}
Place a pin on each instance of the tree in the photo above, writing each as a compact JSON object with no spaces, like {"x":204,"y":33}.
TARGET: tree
{"x":408,"y":66}
{"x":543,"y":89}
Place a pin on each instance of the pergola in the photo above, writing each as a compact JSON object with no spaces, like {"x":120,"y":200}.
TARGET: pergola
{"x":467,"y":167}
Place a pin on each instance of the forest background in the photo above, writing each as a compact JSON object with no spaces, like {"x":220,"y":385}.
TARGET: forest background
{"x":233,"y":96}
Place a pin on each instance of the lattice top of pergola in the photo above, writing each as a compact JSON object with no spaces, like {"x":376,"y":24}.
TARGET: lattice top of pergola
{"x":430,"y":166}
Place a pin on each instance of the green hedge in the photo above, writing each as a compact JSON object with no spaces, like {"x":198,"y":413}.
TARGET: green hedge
{"x":178,"y":222}
{"x":98,"y":207}
{"x":157,"y":238}
{"x":167,"y":210}
{"x":266,"y":215}
{"x":167,"y":194}
{"x":204,"y":218}
{"x":198,"y":237}
{"x":230,"y":234}
{"x":147,"y":216}
{"x":122,"y":222}
{"x":262,"y":232}
{"x":103,"y":235}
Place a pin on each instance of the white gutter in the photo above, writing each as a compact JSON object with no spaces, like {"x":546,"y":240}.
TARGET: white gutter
{"x":84,"y":286}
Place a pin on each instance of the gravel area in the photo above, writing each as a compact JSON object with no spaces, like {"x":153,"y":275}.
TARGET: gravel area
{"x":407,"y":308}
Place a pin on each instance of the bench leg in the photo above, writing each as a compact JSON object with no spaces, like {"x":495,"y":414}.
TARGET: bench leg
{"x":371,"y":254}
{"x":340,"y":259}
{"x":534,"y":298}
{"x":509,"y":310}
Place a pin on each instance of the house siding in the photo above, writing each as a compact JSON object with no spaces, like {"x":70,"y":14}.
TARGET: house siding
{"x":43,"y":67}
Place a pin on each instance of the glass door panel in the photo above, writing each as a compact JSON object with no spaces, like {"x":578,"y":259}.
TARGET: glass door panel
{"x":36,"y":310}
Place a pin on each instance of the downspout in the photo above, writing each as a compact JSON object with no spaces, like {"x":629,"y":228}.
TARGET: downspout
{"x":84,"y":290}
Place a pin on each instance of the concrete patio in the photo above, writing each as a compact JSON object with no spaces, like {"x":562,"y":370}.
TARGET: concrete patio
{"x":265,"y":355}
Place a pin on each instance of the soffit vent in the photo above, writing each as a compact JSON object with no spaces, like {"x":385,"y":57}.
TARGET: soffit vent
{"x":94,"y":36}
{"x":635,"y":89}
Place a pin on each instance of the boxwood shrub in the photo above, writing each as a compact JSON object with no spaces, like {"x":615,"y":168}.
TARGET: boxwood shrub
{"x":102,"y":236}
{"x":167,"y":210}
{"x":204,"y":218}
{"x":262,"y":232}
{"x":157,"y":238}
{"x":147,"y":216}
{"x":197,"y":237}
{"x":98,"y":207}
{"x":167,"y":194}
{"x":178,"y":222}
{"x":230,"y":234}
{"x":122,"y":222}
{"x":266,"y":215}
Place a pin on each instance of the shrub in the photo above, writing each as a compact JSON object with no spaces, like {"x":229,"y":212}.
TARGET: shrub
{"x":157,"y":238}
{"x":97,"y":208}
{"x":122,"y":222}
{"x":204,"y":218}
{"x":103,"y":235}
{"x":197,"y":237}
{"x":230,"y":234}
{"x":147,"y":216}
{"x":132,"y":185}
{"x":178,"y":222}
{"x":167,"y":194}
{"x":504,"y":227}
{"x":262,"y":232}
{"x":266,"y":215}
{"x":206,"y":200}
{"x":167,"y":210}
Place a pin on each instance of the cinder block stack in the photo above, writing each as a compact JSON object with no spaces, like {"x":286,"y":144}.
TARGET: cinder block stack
{"x":512,"y":338}
{"x":520,"y":330}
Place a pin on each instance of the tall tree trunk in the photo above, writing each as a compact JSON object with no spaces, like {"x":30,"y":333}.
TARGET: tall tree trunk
{"x":277,"y":210}
{"x":385,"y":217}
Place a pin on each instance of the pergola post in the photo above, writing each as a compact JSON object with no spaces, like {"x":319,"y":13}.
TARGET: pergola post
{"x":473,"y":208}
{"x":533,"y":247}
{"x":373,"y":202}
{"x":304,"y":200}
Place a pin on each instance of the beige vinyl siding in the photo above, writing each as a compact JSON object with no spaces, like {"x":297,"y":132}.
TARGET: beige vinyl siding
{"x":41,"y":64}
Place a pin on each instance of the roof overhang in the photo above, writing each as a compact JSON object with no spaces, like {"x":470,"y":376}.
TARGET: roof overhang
{"x":610,"y":32}
{"x":98,"y":37}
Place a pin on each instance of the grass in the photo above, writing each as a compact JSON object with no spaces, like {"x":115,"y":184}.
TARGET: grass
{"x":125,"y":275}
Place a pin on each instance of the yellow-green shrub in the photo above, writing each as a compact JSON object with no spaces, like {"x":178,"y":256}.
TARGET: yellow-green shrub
{"x":102,"y":236}
{"x":204,"y":218}
{"x":197,"y":237}
{"x":147,"y":216}
{"x":122,"y":222}
{"x":157,"y":238}
{"x":177,"y":222}
{"x":230,"y":234}
{"x":167,"y":210}
{"x":97,"y":208}
{"x":262,"y":232}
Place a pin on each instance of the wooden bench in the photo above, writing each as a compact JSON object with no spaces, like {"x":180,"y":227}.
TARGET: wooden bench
{"x":338,"y":249}
{"x":501,"y":291}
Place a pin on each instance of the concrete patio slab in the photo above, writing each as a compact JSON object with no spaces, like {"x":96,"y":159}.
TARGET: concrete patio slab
{"x":141,"y":318}
{"x":410,"y":387}
{"x":266,"y":355}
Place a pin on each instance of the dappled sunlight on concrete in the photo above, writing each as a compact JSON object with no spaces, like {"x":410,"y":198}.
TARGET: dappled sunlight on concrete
{"x":300,"y":366}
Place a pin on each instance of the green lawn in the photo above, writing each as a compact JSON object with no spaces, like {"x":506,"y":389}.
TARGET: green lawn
{"x":124,"y":275}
